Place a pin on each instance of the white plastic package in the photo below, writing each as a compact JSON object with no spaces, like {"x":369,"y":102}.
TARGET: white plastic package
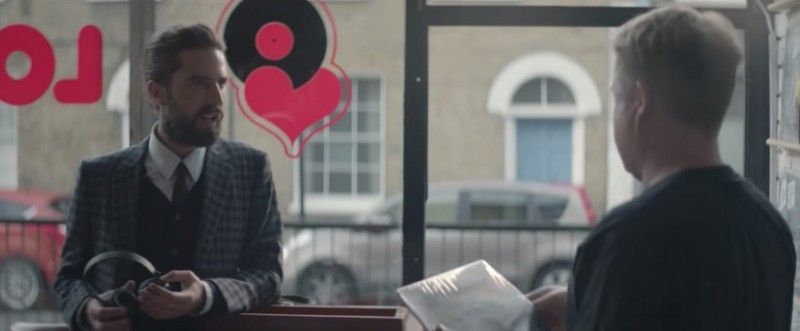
{"x":473,"y":297}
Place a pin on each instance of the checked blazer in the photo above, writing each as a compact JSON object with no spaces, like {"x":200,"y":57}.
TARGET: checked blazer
{"x":239,"y":243}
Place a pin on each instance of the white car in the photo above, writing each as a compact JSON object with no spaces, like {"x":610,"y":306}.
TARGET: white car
{"x":527,"y":231}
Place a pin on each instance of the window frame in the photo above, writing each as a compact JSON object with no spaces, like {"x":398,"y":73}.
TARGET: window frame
{"x":421,"y":16}
{"x":340,"y":204}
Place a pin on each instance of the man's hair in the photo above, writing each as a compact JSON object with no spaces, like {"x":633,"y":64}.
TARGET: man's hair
{"x":161,"y":54}
{"x":687,"y":58}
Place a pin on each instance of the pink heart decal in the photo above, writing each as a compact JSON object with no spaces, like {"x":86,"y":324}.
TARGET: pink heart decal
{"x":268,"y":91}
{"x":288,"y":80}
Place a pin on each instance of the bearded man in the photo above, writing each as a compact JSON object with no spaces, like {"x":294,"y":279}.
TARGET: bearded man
{"x":201,"y":209}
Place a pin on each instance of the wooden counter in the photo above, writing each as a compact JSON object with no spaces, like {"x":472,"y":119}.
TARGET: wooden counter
{"x":312,"y":318}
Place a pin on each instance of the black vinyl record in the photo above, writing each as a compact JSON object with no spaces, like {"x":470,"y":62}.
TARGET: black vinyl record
{"x":302,"y":19}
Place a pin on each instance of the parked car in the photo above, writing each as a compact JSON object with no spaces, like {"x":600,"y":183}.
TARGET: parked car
{"x":31,"y":237}
{"x":529,"y":232}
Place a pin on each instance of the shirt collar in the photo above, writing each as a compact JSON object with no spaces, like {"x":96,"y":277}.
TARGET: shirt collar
{"x":166,"y":161}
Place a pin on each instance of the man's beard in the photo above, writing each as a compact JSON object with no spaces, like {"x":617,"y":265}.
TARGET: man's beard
{"x":186,"y":131}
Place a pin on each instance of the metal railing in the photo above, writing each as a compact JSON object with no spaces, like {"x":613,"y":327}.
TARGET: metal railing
{"x":341,"y":263}
{"x":358,"y":264}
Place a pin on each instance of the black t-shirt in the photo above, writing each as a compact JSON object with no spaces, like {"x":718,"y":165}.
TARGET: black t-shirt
{"x":701,"y":250}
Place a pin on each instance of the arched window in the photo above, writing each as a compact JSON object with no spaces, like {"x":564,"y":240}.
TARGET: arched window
{"x":544,"y":98}
{"x":543,"y":91}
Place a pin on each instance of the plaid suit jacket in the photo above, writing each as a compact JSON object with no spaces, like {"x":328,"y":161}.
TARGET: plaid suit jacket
{"x":239,"y":242}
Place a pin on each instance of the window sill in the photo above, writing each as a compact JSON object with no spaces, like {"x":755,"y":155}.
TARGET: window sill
{"x":335,"y":206}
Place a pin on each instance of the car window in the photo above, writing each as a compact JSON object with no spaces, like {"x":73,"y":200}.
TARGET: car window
{"x":551,"y":207}
{"x":12,"y":211}
{"x":498,"y":208}
{"x":440,"y":209}
{"x":396,"y":212}
{"x":62,"y":205}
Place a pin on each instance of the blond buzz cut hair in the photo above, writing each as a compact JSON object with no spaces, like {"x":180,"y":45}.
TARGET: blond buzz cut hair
{"x":687,"y":58}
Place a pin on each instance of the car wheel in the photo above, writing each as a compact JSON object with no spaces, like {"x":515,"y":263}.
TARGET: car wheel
{"x":555,"y":273}
{"x":21,"y":284}
{"x":327,"y":284}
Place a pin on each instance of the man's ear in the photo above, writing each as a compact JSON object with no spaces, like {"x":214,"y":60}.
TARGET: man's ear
{"x":643,"y":99}
{"x":157,"y":93}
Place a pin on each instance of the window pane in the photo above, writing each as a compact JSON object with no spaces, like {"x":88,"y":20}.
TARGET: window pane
{"x":483,"y":140}
{"x":369,"y":122}
{"x":495,"y":152}
{"x":577,"y":149}
{"x":344,"y":124}
{"x":79,"y":52}
{"x":47,"y":126}
{"x":369,"y":106}
{"x":340,"y":183}
{"x":315,"y":151}
{"x":557,"y":92}
{"x":369,"y":152}
{"x":530,"y":92}
{"x":49,"y":130}
{"x":316,"y":183}
{"x":368,"y":183}
{"x":369,"y":91}
{"x":341,"y":154}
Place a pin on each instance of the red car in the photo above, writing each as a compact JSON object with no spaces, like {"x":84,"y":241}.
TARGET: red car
{"x":31,"y":237}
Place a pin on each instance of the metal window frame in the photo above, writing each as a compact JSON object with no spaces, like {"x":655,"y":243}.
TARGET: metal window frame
{"x":142,"y":25}
{"x":420,"y":17}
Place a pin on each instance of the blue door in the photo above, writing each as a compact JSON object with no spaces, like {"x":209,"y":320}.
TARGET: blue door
{"x":544,"y":150}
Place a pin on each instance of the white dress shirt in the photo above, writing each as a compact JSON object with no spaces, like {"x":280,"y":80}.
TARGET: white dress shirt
{"x":160,"y":165}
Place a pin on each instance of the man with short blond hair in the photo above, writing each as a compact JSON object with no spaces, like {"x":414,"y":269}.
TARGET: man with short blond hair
{"x":701,"y":248}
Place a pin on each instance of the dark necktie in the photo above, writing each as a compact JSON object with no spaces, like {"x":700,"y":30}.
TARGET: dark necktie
{"x":180,"y":188}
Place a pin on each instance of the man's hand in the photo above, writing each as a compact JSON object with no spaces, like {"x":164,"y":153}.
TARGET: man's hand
{"x":543,"y":291}
{"x":161,"y":303}
{"x":550,"y":303}
{"x":102,"y":318}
